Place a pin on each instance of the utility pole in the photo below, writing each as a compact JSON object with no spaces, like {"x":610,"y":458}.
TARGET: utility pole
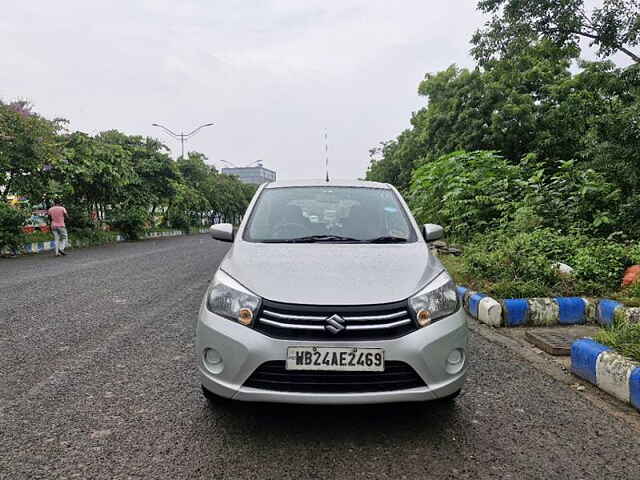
{"x":182,"y":136}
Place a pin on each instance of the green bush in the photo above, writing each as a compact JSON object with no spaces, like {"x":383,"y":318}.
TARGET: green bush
{"x":634,"y":253}
{"x":624,"y":338}
{"x":571,"y":199}
{"x":511,"y":264}
{"x":88,"y":237}
{"x":634,"y":289}
{"x":179,"y":220}
{"x":12,"y":219}
{"x":78,"y":217}
{"x":130,"y":221}
{"x":599,"y":267}
{"x":469,"y":192}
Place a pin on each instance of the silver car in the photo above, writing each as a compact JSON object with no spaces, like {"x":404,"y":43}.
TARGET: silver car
{"x":351,"y":308}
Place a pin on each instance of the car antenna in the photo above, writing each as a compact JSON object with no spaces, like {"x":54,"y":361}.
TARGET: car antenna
{"x":326,"y":153}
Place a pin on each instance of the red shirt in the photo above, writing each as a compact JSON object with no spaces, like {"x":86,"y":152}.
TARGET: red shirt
{"x":57,"y":214}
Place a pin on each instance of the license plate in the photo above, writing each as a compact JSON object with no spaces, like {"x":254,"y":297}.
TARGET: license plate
{"x":345,"y":359}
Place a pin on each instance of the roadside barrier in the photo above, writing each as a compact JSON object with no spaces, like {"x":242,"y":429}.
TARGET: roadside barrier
{"x":590,"y":360}
{"x":39,"y":247}
{"x":544,"y":312}
{"x":606,"y":369}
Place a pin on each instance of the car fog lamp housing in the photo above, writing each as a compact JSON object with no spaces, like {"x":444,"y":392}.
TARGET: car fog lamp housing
{"x":454,"y":357}
{"x":227,"y":298}
{"x":213,"y":360}
{"x":435,"y":301}
{"x":212,"y":356}
{"x":455,"y":361}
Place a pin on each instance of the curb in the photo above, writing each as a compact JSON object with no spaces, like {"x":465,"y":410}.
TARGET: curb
{"x":607,"y":370}
{"x":39,"y":247}
{"x":545,"y":312}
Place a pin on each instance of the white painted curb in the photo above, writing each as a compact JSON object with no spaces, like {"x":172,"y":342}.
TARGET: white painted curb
{"x":490,"y":312}
{"x":612,"y":372}
{"x":38,"y":247}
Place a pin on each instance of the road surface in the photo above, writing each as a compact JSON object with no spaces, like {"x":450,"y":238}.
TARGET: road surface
{"x":98,"y":381}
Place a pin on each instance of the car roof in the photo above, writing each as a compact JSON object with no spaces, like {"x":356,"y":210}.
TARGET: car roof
{"x":324,"y":183}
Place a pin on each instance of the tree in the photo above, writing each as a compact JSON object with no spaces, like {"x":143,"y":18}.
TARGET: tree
{"x":612,"y":27}
{"x":470,"y":192}
{"x":510,"y":105}
{"x":94,"y":171}
{"x":29,"y":144}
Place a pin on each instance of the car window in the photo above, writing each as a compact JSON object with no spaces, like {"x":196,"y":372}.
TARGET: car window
{"x":352,"y":213}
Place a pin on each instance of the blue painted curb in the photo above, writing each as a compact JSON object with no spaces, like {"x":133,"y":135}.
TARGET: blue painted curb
{"x":584,"y":355}
{"x":634,"y":388}
{"x":461,"y":291}
{"x":474,"y":303}
{"x":603,"y":367}
{"x":515,"y":311}
{"x":571,"y":310}
{"x":606,"y":311}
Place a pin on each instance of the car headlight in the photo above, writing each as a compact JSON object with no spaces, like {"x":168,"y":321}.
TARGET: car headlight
{"x":229,"y":299}
{"x":436,"y":300}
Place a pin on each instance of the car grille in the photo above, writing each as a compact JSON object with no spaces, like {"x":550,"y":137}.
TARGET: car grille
{"x":275,"y":377}
{"x":310,"y":322}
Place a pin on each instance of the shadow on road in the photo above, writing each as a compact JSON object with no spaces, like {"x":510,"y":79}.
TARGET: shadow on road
{"x":392,"y":417}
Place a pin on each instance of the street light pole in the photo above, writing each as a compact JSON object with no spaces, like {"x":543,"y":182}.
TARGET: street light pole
{"x":182,"y":136}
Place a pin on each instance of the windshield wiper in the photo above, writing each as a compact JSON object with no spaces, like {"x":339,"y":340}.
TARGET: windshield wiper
{"x":386,"y":239}
{"x":318,"y":238}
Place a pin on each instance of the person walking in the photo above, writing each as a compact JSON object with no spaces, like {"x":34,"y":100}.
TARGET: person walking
{"x":57,"y":213}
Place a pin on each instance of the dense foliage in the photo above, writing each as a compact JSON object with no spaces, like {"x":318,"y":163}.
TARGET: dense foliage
{"x":612,"y":25}
{"x":532,"y":157}
{"x":624,"y":338}
{"x":11,"y":222}
{"x":112,"y":179}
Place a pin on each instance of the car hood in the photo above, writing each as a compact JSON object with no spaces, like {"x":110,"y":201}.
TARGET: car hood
{"x":332,"y":274}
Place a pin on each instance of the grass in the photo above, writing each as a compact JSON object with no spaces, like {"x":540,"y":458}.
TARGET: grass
{"x":455,"y":267}
{"x":624,"y":338}
{"x":630,"y":296}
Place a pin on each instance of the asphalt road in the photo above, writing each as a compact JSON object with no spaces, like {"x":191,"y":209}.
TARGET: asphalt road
{"x":98,"y":381}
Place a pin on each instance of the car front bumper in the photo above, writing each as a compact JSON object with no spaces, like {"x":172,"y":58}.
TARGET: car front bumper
{"x":243,"y":350}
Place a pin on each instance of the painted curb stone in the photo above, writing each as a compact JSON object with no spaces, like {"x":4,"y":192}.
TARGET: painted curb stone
{"x":634,"y":388}
{"x":37,"y":247}
{"x":543,"y":312}
{"x":612,"y":372}
{"x":584,"y":358}
{"x":606,"y":311}
{"x":490,"y":312}
{"x":627,"y":315}
{"x":590,"y":310}
{"x":515,"y":311}
{"x":571,"y":310}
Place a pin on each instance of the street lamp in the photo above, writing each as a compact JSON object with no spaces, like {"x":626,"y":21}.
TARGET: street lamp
{"x":182,"y":136}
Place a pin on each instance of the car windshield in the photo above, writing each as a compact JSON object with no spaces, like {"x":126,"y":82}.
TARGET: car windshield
{"x":329,"y":214}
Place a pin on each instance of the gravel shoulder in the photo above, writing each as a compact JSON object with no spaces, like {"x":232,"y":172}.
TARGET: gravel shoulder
{"x":97,"y":380}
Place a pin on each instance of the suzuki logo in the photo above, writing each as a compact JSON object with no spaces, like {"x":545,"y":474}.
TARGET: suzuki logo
{"x":334,"y":324}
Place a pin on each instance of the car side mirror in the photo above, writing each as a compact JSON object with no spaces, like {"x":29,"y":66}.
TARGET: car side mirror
{"x":222,"y":232}
{"x":432,"y":232}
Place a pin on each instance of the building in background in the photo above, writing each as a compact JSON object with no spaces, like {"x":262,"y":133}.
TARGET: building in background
{"x":256,"y":175}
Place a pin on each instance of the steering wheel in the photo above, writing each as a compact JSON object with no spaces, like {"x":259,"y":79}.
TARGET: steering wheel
{"x":290,"y":229}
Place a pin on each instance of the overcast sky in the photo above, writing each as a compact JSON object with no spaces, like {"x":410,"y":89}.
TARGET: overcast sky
{"x":272,"y":75}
